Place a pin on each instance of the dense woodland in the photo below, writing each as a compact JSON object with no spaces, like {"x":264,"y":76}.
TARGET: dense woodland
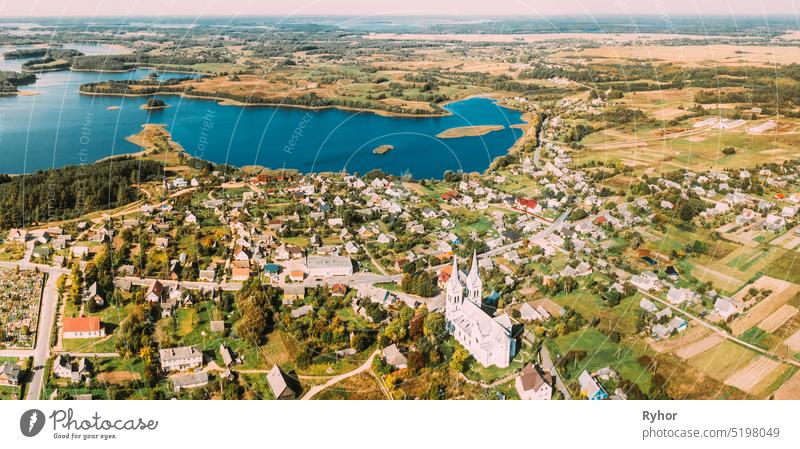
{"x":69,"y":192}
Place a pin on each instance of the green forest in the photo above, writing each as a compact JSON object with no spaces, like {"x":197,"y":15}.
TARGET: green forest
{"x":69,"y":192}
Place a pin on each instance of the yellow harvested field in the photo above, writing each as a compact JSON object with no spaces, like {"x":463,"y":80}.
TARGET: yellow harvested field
{"x":793,"y":342}
{"x":724,"y":359}
{"x":790,"y":389}
{"x":778,"y":317}
{"x":667,"y":113}
{"x":699,"y":347}
{"x":782,"y":292}
{"x":696,"y":55}
{"x":748,"y":377}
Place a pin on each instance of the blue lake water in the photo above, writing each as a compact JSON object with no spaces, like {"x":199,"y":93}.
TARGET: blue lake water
{"x":60,"y":127}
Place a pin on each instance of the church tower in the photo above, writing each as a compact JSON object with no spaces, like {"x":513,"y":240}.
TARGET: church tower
{"x":474,"y":283}
{"x":455,"y":291}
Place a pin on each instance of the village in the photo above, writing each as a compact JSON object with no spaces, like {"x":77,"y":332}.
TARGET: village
{"x":537,"y":280}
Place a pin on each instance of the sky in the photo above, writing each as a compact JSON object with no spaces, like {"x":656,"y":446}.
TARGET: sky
{"x":536,"y":8}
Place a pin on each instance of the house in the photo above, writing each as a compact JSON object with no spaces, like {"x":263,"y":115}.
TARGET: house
{"x":351,"y":248}
{"x":301,"y":311}
{"x":80,"y":251}
{"x":678,"y":323}
{"x":591,"y":388}
{"x":180,"y":358}
{"x":680,"y":295}
{"x":227,"y":355}
{"x":9,"y":373}
{"x":660,"y":331}
{"x":272,"y":270}
{"x":486,"y":337}
{"x":154,"y":292}
{"x":392,"y":356}
{"x":64,"y":368}
{"x":240,"y":273}
{"x":646,"y":281}
{"x":775,"y":223}
{"x":530,"y":206}
{"x":82,"y":327}
{"x":529,"y":313}
{"x":296,"y":276}
{"x":531,"y":385}
{"x":647,"y":305}
{"x":291,"y":292}
{"x":207,"y":275}
{"x":726,"y":307}
{"x":187,"y":381}
{"x":92,"y":295}
{"x":283,"y":385}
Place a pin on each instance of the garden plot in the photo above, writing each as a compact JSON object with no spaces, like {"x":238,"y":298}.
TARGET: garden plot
{"x":699,"y":347}
{"x":789,"y":240}
{"x":778,"y":318}
{"x":782,"y":292}
{"x":751,"y":375}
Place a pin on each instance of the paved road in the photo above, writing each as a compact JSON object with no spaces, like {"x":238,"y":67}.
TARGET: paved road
{"x":364,"y":367}
{"x":41,"y":352}
{"x":539,"y":144}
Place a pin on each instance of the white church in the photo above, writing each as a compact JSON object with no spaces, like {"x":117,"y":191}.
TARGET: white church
{"x":487,"y":338}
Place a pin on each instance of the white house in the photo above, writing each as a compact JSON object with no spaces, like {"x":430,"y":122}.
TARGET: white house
{"x":726,"y":307}
{"x":180,"y":358}
{"x":528,"y":313}
{"x":680,"y":295}
{"x":329,"y":266}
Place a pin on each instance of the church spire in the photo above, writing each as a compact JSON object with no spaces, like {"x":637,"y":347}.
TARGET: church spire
{"x":474,"y":276}
{"x":474,"y":283}
{"x":454,"y":283}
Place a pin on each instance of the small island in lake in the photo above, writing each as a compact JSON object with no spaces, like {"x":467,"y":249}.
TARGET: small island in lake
{"x":383,"y":149}
{"x":154,"y":103}
{"x":468,"y":131}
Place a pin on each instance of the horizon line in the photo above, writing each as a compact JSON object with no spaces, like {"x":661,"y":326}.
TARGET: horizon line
{"x":415,"y":14}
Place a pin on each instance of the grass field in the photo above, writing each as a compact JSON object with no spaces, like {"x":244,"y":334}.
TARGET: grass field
{"x":602,"y":352}
{"x":723,"y":360}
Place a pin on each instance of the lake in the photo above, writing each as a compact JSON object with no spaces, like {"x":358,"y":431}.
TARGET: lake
{"x":59,"y":127}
